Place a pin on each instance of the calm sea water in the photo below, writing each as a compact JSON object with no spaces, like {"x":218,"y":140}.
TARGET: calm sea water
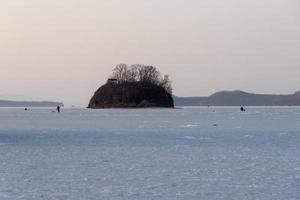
{"x":163,"y":154}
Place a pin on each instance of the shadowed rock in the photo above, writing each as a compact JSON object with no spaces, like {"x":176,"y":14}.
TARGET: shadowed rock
{"x":131,"y":95}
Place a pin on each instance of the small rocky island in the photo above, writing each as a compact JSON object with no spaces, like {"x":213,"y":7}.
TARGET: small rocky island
{"x":136,"y":86}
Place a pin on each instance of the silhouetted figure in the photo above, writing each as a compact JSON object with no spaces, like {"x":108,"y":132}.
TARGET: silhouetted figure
{"x":58,"y":108}
{"x":26,"y":109}
{"x":243,"y":109}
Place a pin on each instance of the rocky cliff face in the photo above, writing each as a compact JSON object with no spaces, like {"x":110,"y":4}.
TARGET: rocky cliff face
{"x":131,"y":95}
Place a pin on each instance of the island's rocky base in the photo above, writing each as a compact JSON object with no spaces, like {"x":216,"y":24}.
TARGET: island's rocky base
{"x":131,"y":95}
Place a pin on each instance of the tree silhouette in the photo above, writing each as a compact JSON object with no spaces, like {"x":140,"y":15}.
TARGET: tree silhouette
{"x":141,"y":73}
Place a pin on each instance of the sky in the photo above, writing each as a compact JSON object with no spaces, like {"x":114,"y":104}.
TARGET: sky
{"x":65,"y":49}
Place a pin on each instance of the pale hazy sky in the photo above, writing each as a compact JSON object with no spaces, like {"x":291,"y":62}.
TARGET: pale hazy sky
{"x":65,"y":49}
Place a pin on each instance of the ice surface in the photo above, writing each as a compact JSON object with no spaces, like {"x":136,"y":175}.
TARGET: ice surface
{"x":150,"y":154}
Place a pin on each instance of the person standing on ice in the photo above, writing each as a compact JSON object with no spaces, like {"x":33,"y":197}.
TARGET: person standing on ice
{"x":58,"y":108}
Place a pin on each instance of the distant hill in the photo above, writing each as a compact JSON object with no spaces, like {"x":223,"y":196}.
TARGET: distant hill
{"x":239,"y":98}
{"x":7,"y":103}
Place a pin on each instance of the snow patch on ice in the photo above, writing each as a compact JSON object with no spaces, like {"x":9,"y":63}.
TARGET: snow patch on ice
{"x":283,"y":133}
{"x":191,"y":125}
{"x":106,"y":189}
{"x":189,"y":137}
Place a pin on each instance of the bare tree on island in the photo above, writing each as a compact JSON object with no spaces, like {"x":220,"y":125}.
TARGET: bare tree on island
{"x":120,"y":72}
{"x":167,"y":84}
{"x":141,"y":73}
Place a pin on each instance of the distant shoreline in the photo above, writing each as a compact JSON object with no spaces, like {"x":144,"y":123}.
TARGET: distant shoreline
{"x":239,"y":98}
{"x":16,"y":104}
